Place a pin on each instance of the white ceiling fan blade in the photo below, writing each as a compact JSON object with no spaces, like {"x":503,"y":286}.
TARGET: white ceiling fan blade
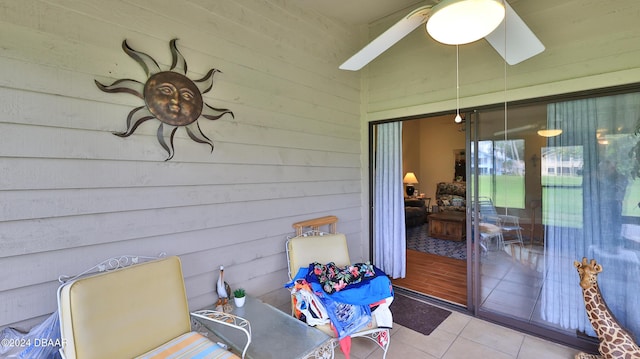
{"x":387,"y":39}
{"x":521,"y":42}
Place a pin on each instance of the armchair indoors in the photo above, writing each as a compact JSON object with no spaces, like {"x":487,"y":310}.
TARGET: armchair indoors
{"x":415,"y":212}
{"x":451,"y":196}
{"x":319,"y":247}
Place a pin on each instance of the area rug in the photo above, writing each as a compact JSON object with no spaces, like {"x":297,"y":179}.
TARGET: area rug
{"x":419,"y":240}
{"x":417,"y":315}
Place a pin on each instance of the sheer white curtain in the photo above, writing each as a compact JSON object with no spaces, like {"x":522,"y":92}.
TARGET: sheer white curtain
{"x":588,"y":177}
{"x":389,"y":227}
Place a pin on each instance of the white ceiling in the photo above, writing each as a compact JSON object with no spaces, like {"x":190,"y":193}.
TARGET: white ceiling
{"x":360,"y":11}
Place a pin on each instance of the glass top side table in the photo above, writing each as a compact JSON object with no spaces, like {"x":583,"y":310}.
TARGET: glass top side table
{"x":274,"y":334}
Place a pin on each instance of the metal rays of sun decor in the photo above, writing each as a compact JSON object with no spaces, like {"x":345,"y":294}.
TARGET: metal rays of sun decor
{"x":169,"y":96}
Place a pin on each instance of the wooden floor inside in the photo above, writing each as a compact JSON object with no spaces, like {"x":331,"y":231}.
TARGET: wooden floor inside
{"x":437,"y":276}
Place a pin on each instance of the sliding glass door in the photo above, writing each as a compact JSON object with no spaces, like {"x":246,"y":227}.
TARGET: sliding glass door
{"x":590,"y":208}
{"x":563,"y":180}
{"x":549,"y":184}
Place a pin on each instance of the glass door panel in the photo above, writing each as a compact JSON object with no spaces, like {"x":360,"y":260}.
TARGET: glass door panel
{"x":506,"y":165}
{"x":556,"y":199}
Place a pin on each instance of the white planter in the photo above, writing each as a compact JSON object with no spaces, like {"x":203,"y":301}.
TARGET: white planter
{"x":239,"y":302}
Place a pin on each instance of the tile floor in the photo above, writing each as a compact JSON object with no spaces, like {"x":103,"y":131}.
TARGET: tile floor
{"x":512,"y":282}
{"x":461,"y":336}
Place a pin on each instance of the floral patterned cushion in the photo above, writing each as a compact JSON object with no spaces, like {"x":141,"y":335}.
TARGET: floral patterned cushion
{"x":334,"y":278}
{"x":451,"y":196}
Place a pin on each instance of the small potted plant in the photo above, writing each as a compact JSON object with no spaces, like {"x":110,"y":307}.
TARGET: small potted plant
{"x":239,"y":297}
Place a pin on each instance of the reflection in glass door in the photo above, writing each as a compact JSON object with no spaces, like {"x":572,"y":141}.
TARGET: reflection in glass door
{"x":552,"y":184}
{"x":510,"y":254}
{"x":590,"y":207}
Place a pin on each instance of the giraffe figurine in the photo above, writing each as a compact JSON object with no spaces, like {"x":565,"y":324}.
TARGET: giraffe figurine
{"x":615,"y":341}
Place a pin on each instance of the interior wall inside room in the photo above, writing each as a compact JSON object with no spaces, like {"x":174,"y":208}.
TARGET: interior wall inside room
{"x":441,"y":139}
{"x":410,"y":149}
{"x":428,"y":149}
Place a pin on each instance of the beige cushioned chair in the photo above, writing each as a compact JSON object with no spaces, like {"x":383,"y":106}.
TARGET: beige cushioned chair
{"x":137,"y":311}
{"x":324,"y":248}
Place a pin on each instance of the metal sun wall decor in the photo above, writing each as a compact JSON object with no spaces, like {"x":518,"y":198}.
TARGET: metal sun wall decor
{"x":169,"y":96}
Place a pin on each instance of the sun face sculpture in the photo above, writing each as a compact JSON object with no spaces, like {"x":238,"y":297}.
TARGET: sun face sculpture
{"x":169,"y":96}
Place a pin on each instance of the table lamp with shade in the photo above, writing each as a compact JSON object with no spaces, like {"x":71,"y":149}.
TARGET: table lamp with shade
{"x":410,"y":179}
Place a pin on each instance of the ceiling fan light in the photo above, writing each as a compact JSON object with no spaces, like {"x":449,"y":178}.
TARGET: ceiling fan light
{"x":549,"y":132}
{"x":457,"y":22}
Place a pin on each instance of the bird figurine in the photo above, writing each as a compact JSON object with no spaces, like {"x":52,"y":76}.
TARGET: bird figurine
{"x":223,"y":290}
